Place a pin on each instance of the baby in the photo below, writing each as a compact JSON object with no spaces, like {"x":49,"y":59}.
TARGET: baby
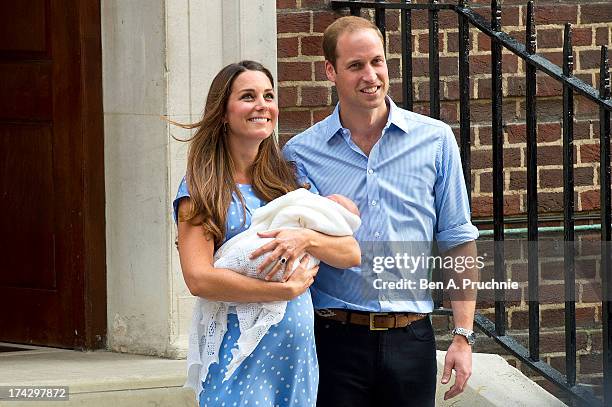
{"x":345,"y":202}
{"x":334,"y":215}
{"x":235,"y":253}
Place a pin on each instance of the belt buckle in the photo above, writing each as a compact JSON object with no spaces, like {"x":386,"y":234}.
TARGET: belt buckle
{"x":325,"y":313}
{"x":374,"y":315}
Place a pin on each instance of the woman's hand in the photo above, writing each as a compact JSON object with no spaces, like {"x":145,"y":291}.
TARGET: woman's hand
{"x":301,"y":279}
{"x":287,"y":246}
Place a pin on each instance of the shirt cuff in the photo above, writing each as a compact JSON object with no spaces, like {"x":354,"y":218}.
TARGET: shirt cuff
{"x":447,"y":239}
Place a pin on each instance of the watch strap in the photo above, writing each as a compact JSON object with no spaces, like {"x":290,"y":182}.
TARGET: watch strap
{"x":469,"y":335}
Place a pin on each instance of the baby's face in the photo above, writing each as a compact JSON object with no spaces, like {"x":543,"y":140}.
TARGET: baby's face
{"x":344,"y":202}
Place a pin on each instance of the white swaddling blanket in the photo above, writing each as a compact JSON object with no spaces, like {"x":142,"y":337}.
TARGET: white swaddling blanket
{"x":297,"y":209}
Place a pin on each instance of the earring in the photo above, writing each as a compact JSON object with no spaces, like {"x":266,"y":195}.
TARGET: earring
{"x":224,"y":127}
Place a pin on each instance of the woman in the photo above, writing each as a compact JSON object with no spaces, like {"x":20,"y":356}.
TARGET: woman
{"x":235,"y":166}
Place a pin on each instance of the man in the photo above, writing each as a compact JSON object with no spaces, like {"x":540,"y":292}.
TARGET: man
{"x":404,"y":172}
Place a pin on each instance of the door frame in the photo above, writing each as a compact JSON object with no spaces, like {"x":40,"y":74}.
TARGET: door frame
{"x":92,"y":285}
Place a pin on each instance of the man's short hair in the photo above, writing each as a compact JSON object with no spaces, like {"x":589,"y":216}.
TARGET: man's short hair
{"x":343,"y":25}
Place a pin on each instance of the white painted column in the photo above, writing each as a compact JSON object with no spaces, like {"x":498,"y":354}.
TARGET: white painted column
{"x":159,"y":58}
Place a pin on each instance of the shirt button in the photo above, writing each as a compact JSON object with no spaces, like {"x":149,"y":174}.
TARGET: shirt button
{"x":370,"y":171}
{"x":377,"y":234}
{"x":374,"y":202}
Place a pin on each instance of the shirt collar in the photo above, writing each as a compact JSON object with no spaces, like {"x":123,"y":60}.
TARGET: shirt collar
{"x":333,"y":125}
{"x":395,"y":117}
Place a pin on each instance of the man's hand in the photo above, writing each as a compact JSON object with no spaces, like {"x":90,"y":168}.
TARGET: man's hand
{"x":459,"y":359}
{"x":463,"y":302}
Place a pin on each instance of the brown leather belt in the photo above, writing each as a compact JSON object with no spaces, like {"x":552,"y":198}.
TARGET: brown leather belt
{"x":377,"y":321}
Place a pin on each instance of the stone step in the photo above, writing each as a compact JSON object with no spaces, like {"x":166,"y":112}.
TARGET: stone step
{"x":97,"y":379}
{"x":494,"y":383}
{"x":107,"y":379}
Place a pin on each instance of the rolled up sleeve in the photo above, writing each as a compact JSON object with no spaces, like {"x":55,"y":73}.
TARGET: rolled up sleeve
{"x":453,"y":226}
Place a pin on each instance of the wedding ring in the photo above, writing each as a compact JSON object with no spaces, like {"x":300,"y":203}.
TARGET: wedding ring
{"x":283,"y":260}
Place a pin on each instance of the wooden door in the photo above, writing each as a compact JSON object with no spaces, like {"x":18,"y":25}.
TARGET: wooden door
{"x":52,"y":272}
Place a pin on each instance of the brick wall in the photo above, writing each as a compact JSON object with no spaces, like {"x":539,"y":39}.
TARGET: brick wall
{"x":588,"y":296}
{"x":306,"y":97}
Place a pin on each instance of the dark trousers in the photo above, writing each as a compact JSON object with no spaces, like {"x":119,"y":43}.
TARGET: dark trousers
{"x":363,"y":368}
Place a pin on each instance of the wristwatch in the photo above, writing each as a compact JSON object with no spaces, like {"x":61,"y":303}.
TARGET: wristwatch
{"x":469,"y":335}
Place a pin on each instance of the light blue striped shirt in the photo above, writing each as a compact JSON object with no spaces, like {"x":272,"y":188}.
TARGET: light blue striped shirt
{"x":409,"y":189}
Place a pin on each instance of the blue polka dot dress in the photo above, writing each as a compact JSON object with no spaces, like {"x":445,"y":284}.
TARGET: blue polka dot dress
{"x":282,"y":370}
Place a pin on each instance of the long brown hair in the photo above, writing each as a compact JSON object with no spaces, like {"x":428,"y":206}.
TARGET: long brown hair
{"x":210,"y":168}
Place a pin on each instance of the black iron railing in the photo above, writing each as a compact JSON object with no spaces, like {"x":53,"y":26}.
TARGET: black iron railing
{"x":467,"y":18}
